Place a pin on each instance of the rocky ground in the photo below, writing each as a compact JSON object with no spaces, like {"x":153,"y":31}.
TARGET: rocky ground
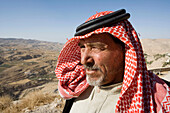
{"x":54,"y":107}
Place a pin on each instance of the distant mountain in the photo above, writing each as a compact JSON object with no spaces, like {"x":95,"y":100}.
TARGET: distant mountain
{"x":155,"y":46}
{"x":157,"y":52}
{"x":29,"y":43}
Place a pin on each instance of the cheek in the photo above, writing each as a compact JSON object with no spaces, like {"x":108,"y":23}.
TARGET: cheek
{"x":101,"y":61}
{"x":110,"y":61}
{"x":116,"y":61}
{"x":98,"y":59}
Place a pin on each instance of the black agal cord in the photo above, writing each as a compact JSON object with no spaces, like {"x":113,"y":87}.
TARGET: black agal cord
{"x":102,"y":21}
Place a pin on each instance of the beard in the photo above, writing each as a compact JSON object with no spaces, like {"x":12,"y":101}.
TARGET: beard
{"x":92,"y":82}
{"x":98,"y":81}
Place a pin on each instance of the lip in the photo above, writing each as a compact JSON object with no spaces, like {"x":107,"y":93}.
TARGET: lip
{"x":90,"y":72}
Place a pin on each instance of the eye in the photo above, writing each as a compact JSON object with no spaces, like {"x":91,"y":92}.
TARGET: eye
{"x":102,"y":49}
{"x":98,"y":48}
{"x":93,"y":47}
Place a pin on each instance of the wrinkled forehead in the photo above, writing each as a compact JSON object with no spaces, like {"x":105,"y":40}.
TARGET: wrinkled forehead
{"x":102,"y":37}
{"x":105,"y":38}
{"x":101,"y":40}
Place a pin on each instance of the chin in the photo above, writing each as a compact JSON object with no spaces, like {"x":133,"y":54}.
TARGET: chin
{"x":96,"y":82}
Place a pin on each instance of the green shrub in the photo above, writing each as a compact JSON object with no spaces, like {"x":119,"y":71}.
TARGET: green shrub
{"x":6,"y":65}
{"x":158,"y":56}
{"x":165,"y":64}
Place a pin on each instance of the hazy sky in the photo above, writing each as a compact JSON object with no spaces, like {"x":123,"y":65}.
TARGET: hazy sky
{"x":56,"y":20}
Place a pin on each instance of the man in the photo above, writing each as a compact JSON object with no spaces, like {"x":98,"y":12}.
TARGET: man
{"x":103,"y":67}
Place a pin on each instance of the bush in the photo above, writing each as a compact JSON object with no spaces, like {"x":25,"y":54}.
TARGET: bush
{"x":6,"y":65}
{"x":165,"y":64}
{"x":158,"y":56}
{"x":30,"y":101}
{"x":5,"y":102}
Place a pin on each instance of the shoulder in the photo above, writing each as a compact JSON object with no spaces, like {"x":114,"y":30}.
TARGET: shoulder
{"x":161,"y":92}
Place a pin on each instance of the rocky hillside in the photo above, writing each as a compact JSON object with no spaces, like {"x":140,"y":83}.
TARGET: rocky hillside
{"x":157,"y":52}
{"x":26,"y":63}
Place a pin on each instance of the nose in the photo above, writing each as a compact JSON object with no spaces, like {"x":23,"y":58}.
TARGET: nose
{"x":87,"y":58}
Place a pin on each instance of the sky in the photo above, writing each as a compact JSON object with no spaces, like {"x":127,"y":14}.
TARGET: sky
{"x":56,"y":20}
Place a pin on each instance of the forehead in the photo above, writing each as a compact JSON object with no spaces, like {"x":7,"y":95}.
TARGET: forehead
{"x":98,"y":38}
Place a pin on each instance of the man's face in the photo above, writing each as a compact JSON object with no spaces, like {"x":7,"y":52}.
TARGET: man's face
{"x":103,"y":59}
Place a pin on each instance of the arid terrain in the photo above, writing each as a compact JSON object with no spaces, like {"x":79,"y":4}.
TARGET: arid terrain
{"x":27,"y":71}
{"x":25,"y":64}
{"x":157,"y":52}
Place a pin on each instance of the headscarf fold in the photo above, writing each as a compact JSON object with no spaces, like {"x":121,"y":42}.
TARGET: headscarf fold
{"x":142,"y":91}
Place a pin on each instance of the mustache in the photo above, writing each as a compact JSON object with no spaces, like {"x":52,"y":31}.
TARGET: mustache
{"x":94,"y":67}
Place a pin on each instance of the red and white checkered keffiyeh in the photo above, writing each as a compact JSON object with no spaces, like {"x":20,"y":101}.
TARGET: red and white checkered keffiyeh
{"x":142,"y":91}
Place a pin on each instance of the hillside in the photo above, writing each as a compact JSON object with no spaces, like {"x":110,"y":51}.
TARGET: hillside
{"x":157,"y":52}
{"x":26,"y":63}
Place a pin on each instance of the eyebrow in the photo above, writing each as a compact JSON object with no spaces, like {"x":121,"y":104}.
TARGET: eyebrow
{"x":94,"y":44}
